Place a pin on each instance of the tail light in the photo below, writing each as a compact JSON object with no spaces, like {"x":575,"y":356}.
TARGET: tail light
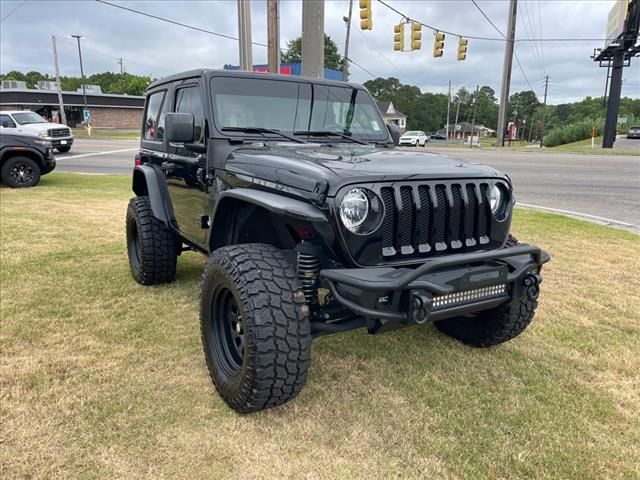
{"x":138,"y":160}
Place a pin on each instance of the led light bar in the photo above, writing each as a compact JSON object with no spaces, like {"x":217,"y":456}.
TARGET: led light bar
{"x":468,"y":296}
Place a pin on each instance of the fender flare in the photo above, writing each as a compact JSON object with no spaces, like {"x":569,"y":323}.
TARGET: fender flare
{"x":275,"y":203}
{"x":34,"y":151}
{"x":149,"y":180}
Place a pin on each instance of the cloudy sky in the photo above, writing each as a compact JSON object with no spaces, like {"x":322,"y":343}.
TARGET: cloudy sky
{"x":151,"y":47}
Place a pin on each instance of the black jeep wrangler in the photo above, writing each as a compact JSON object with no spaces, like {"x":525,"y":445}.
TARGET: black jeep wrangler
{"x":313,"y":223}
{"x":24,"y":159}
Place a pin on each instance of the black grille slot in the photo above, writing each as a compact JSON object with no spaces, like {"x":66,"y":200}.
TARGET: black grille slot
{"x":483,"y":214}
{"x":470,"y":215}
{"x":439,"y":226}
{"x":405,"y":227}
{"x":422,"y":222}
{"x":455,"y":218}
{"x":435,"y":217}
{"x":389,"y":223}
{"x":59,"y":132}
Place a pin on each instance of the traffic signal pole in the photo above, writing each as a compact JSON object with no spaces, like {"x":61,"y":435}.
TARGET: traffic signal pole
{"x":63,"y":116}
{"x":345,"y":64}
{"x":273,"y":37}
{"x":244,"y":33}
{"x":506,"y":72}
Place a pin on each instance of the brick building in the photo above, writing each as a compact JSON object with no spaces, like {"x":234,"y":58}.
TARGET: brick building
{"x":107,"y":110}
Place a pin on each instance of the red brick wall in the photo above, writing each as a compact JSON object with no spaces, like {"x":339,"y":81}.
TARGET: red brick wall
{"x":116,"y":117}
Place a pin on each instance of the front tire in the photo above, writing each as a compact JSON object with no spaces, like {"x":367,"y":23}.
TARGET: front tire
{"x":254,"y":326}
{"x":152,"y":247}
{"x":20,"y":172}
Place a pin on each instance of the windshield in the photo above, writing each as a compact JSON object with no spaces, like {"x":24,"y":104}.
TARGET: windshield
{"x":295,"y":107}
{"x":412,"y":134}
{"x":25,"y":118}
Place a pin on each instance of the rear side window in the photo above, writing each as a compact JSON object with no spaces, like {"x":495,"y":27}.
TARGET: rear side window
{"x":154,"y":117}
{"x":188,"y":101}
{"x":6,"y":122}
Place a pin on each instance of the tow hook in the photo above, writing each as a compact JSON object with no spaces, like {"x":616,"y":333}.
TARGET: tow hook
{"x":420,"y":307}
{"x":532,"y":283}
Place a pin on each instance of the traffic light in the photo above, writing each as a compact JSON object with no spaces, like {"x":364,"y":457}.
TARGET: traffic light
{"x":438,"y":44}
{"x":462,"y":48}
{"x":398,"y":37}
{"x":416,"y":35}
{"x":365,"y":15}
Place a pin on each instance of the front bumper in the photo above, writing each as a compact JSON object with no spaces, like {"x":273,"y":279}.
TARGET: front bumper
{"x":49,"y":162}
{"x":439,"y":288}
{"x":58,"y":142}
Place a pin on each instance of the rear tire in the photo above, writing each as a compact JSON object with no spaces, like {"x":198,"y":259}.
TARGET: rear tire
{"x":254,"y":325}
{"x":20,"y":172}
{"x":491,"y":327}
{"x":152,"y":247}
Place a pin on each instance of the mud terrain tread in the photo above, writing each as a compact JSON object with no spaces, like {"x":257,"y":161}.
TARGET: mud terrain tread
{"x":278,"y":331}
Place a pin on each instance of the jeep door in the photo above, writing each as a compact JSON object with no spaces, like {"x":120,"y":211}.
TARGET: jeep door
{"x":185,"y":167}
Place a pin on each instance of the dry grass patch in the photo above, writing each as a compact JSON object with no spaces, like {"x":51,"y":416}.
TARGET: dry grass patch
{"x":100,"y":377}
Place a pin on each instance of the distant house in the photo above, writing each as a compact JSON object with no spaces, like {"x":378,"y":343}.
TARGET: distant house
{"x":391,"y":115}
{"x":462,"y":131}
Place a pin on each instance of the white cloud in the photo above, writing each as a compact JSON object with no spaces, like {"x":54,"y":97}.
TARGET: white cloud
{"x":155,"y":48}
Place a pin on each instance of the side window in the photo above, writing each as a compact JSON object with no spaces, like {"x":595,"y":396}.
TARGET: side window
{"x":188,"y":101}
{"x":153,"y":119}
{"x":6,"y":122}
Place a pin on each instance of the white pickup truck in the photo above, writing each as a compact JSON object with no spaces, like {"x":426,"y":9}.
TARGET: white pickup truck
{"x":26,"y":122}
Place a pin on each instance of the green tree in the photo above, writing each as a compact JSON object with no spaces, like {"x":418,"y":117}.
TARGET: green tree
{"x":332,"y":58}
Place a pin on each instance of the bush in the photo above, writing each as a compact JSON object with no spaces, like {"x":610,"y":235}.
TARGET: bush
{"x":573,"y":132}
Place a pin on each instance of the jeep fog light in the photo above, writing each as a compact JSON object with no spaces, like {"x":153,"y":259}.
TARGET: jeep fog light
{"x":361,"y":211}
{"x":496,"y":198}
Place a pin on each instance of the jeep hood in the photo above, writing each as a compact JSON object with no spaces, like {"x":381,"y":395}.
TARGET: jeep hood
{"x":303,"y":166}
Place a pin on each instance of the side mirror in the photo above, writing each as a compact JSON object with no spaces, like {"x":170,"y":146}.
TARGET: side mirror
{"x":178,"y":127}
{"x":395,"y":133}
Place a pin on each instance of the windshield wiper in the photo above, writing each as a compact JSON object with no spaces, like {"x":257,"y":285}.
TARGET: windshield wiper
{"x":262,"y":131}
{"x":327,"y":133}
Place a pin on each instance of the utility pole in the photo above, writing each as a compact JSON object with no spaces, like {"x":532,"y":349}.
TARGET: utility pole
{"x":457,"y":112}
{"x":448,"y":110}
{"x":506,"y":71}
{"x":244,"y":34}
{"x":345,"y":64}
{"x":313,"y":38}
{"x":84,"y":91}
{"x":273,"y":36}
{"x":121,"y":63}
{"x":63,"y":116}
{"x":544,"y":110}
{"x":473,"y":121}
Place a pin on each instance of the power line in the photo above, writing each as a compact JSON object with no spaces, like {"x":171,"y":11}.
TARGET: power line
{"x":13,"y":11}
{"x":494,"y":39}
{"x":350,"y":60}
{"x":503,"y":35}
{"x":173,"y":22}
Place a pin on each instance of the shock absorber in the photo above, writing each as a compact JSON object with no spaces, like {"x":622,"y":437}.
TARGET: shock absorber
{"x":308,"y":269}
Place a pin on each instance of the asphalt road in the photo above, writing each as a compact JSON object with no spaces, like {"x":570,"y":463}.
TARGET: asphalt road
{"x":603,"y":188}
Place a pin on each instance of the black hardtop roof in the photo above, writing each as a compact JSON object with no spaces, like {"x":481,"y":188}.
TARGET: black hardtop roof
{"x":208,"y":73}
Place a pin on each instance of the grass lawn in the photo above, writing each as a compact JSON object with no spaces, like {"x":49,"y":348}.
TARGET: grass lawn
{"x":108,"y":133}
{"x":103,"y":378}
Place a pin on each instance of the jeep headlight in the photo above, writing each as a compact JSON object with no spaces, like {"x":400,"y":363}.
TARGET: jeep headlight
{"x":361,"y":211}
{"x":497,"y":198}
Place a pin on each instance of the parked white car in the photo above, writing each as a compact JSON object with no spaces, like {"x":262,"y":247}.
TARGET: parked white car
{"x":414,"y":138}
{"x":26,"y":122}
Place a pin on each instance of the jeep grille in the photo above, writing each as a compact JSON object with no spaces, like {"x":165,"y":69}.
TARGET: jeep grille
{"x":435,"y":217}
{"x":59,"y":132}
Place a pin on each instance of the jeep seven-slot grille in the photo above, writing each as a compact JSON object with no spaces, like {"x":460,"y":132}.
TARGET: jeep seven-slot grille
{"x":59,"y":132}
{"x":434,"y":218}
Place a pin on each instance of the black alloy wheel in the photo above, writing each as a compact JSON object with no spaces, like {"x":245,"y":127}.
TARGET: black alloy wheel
{"x":228,"y":331}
